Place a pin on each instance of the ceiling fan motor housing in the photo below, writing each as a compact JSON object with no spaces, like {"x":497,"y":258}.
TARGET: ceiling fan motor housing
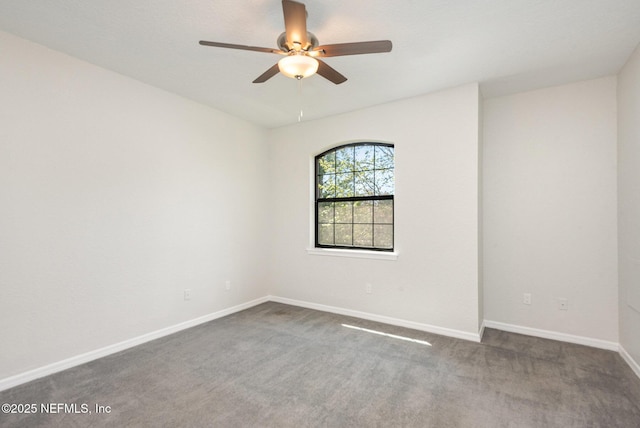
{"x":312,"y":43}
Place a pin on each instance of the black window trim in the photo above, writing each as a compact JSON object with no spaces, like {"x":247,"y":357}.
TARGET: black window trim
{"x":318,"y":200}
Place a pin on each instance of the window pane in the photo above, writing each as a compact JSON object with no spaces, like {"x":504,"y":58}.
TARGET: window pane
{"x":325,"y":212}
{"x":344,"y":212}
{"x":364,"y":158}
{"x":349,"y":180}
{"x":364,"y":183}
{"x":383,"y":236}
{"x":325,"y":234}
{"x":363,"y":235}
{"x":327,"y":186}
{"x":384,"y":157}
{"x":384,"y":182}
{"x":327,"y":164}
{"x":363,"y":212}
{"x":344,"y":159}
{"x":383,"y":212}
{"x":344,"y":234}
{"x":344,"y":185}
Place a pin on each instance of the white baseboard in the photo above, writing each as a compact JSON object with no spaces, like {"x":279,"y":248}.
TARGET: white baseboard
{"x":554,"y":335}
{"x":482,"y":327}
{"x":459,"y":334}
{"x":30,"y":375}
{"x":635,"y":366}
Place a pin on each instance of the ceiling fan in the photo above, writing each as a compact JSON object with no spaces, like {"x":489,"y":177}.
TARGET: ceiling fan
{"x":301,"y":50}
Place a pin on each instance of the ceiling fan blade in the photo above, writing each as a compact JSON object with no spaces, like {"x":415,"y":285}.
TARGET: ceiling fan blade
{"x":267,"y":74}
{"x":243,"y":47}
{"x":357,"y":48}
{"x":330,"y":73}
{"x":295,"y":24}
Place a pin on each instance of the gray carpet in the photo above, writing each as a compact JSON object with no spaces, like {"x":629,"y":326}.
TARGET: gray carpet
{"x":282,"y":366}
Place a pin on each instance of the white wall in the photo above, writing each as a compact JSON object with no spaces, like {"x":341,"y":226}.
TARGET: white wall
{"x":480,"y":211}
{"x":550,"y":209}
{"x":435,"y":279}
{"x":114,"y":198}
{"x":629,"y":204}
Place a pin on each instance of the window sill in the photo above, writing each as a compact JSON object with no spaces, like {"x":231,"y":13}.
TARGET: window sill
{"x":358,"y":254}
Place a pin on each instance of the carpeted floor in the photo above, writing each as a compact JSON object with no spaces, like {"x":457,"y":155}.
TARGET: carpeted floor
{"x":282,"y":366}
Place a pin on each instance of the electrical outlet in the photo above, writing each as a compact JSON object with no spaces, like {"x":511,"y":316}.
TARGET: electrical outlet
{"x":187,"y":294}
{"x":368,"y":288}
{"x":227,"y":285}
{"x":563,"y":304}
{"x":526,"y":298}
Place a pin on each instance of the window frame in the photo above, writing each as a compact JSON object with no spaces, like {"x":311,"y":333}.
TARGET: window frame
{"x":317,"y":200}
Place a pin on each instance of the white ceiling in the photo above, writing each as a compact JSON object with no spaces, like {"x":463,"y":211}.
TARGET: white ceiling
{"x":506,"y":45}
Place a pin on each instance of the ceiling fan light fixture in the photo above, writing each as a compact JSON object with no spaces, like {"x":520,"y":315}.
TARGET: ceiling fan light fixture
{"x":301,"y":48}
{"x":298,"y":66}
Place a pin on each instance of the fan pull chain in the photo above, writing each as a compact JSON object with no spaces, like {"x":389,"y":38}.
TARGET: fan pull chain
{"x":301,"y":114}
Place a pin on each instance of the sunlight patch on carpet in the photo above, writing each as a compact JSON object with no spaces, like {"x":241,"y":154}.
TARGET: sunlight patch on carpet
{"x":393,"y":336}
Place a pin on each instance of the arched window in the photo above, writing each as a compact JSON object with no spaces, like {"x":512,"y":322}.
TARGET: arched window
{"x":354,"y":197}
